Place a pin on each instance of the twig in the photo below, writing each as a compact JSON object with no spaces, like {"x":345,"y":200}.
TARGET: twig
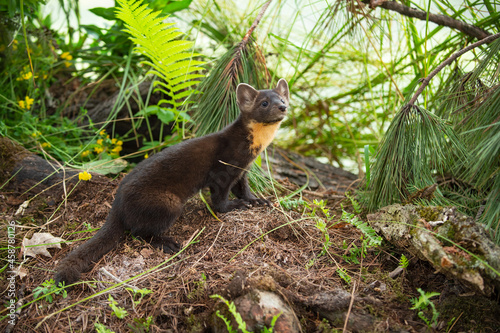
{"x":438,"y":19}
{"x":448,"y":61}
{"x":254,"y":24}
{"x":190,"y":238}
{"x":114,"y":278}
{"x":350,"y":306}
{"x":396,"y":272}
{"x":324,"y":195}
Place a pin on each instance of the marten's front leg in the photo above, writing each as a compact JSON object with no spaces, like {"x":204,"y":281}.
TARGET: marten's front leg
{"x":242,"y":191}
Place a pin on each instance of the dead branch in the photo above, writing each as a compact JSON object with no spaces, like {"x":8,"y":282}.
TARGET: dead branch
{"x":439,"y":19}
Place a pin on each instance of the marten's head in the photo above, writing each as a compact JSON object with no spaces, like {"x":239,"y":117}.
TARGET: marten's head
{"x":263,"y":106}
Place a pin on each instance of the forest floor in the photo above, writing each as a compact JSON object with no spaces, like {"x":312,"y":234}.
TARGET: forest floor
{"x":270,"y":243}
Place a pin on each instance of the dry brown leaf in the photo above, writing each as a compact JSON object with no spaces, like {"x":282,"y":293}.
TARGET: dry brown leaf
{"x":21,"y":272}
{"x":40,"y":243}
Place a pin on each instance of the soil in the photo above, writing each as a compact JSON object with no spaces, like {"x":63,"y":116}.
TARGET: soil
{"x":262,"y":243}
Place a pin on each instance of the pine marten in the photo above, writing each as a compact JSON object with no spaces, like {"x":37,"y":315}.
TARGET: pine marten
{"x":151,"y":197}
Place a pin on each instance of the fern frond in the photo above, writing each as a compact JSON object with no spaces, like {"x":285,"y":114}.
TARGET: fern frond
{"x":371,"y":235}
{"x":169,"y":59}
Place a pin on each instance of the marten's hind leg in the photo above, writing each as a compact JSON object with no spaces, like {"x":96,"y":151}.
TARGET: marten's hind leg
{"x":150,"y":224}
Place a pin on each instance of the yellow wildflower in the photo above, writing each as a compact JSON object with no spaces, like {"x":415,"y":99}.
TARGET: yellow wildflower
{"x":146,"y":156}
{"x":46,"y":145}
{"x":99,"y":142}
{"x":102,"y":132}
{"x":14,"y":44}
{"x":98,"y":150}
{"x":113,"y":141}
{"x":29,"y":102}
{"x":25,"y":76}
{"x":86,"y":153}
{"x":84,"y":176}
{"x":119,"y":143}
{"x":66,"y":56}
{"x":117,"y":149}
{"x":26,"y":104}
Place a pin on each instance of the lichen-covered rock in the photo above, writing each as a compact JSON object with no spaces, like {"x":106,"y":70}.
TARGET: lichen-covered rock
{"x":452,"y":242}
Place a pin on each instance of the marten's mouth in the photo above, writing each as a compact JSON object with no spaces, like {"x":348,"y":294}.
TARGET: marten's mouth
{"x":274,"y":121}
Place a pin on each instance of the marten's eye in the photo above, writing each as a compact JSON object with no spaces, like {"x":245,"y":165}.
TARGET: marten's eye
{"x":264,"y":104}
{"x":282,"y":101}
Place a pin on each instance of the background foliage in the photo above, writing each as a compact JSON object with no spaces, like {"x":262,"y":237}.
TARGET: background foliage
{"x":350,"y":68}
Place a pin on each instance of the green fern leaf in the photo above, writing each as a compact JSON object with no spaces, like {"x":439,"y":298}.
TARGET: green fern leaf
{"x":170,"y":59}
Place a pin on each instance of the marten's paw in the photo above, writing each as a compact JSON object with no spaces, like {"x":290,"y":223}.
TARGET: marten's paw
{"x":259,"y":202}
{"x":166,"y":244}
{"x":66,"y":276}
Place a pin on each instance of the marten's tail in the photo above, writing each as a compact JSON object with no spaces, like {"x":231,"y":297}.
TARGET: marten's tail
{"x":80,"y":259}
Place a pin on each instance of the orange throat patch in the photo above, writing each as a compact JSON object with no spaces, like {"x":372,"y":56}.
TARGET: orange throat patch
{"x":261,"y":135}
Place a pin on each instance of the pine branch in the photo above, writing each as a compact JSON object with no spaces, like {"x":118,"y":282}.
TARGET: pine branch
{"x":443,"y":20}
{"x":244,"y":62}
{"x":448,"y":61}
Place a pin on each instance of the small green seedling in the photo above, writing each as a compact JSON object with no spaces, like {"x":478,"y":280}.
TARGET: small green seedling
{"x":118,"y":311}
{"x":422,"y":304}
{"x":342,"y":272}
{"x":141,"y":324}
{"x":101,"y":328}
{"x":48,"y":288}
{"x":403,"y":262}
{"x":199,"y":288}
{"x":141,"y":292}
{"x":242,"y":326}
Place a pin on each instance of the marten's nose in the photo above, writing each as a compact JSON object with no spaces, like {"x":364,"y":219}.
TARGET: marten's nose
{"x":282,"y":107}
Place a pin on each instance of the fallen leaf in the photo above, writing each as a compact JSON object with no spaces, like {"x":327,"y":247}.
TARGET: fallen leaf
{"x":21,"y":272}
{"x":40,"y":243}
{"x":446,"y":263}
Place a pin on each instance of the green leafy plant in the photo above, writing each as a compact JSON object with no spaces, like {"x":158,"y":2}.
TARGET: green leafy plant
{"x":321,"y":225}
{"x":49,"y":288}
{"x":118,"y":311}
{"x":342,"y":272}
{"x":295,"y":204}
{"x":101,"y":328}
{"x":403,"y":262}
{"x":141,"y":324}
{"x":199,"y":287}
{"x":320,"y":205}
{"x":370,"y":234}
{"x":422,"y":304}
{"x":242,"y":326}
{"x":354,"y":252}
{"x":355,"y":204}
{"x":141,"y":292}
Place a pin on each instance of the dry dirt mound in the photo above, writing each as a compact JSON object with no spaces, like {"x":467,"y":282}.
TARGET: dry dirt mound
{"x":269,"y":249}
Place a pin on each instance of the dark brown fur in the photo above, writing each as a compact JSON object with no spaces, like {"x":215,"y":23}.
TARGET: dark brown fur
{"x":152,"y":196}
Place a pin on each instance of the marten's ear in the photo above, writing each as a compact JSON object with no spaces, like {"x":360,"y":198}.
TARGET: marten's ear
{"x":245,"y":96}
{"x":282,"y":89}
